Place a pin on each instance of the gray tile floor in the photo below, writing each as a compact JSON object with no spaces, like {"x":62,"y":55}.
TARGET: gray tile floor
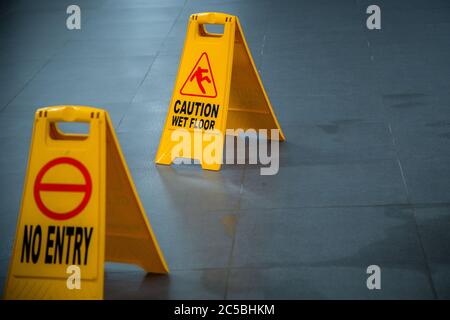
{"x":365,"y":173}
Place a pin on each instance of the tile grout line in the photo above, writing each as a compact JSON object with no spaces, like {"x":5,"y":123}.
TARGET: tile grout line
{"x":387,"y":205}
{"x":55,"y":53}
{"x":261,"y":53}
{"x":230,"y":258}
{"x":156,"y":57}
{"x":26,"y":84}
{"x":422,"y":248}
{"x":405,"y":184}
{"x":241,"y":188}
{"x":151,"y":64}
{"x":408,"y":197}
{"x":228,"y":268}
{"x":419,"y":238}
{"x":142,"y":81}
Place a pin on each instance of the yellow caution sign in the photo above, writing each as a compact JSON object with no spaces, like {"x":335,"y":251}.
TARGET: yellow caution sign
{"x":79,"y":208}
{"x":217,"y":88}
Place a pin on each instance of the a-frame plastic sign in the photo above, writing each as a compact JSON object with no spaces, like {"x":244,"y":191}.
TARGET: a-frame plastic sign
{"x":79,"y":208}
{"x":217,"y":88}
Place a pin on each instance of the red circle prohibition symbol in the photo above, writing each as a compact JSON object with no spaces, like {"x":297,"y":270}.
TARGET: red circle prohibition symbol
{"x":62,"y":187}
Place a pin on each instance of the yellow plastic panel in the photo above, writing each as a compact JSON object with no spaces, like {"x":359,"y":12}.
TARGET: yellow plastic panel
{"x":217,"y":81}
{"x":76,"y":184}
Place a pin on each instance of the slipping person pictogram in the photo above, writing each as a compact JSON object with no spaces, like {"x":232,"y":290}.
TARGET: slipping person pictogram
{"x":200,"y":78}
{"x":200,"y":81}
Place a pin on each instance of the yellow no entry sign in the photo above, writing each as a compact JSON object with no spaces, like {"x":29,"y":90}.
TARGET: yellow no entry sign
{"x":79,"y":208}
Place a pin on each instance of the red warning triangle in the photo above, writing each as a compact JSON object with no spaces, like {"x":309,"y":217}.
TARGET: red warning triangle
{"x":200,"y":82}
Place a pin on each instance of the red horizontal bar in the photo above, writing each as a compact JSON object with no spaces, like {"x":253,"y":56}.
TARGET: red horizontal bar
{"x":62,"y":187}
